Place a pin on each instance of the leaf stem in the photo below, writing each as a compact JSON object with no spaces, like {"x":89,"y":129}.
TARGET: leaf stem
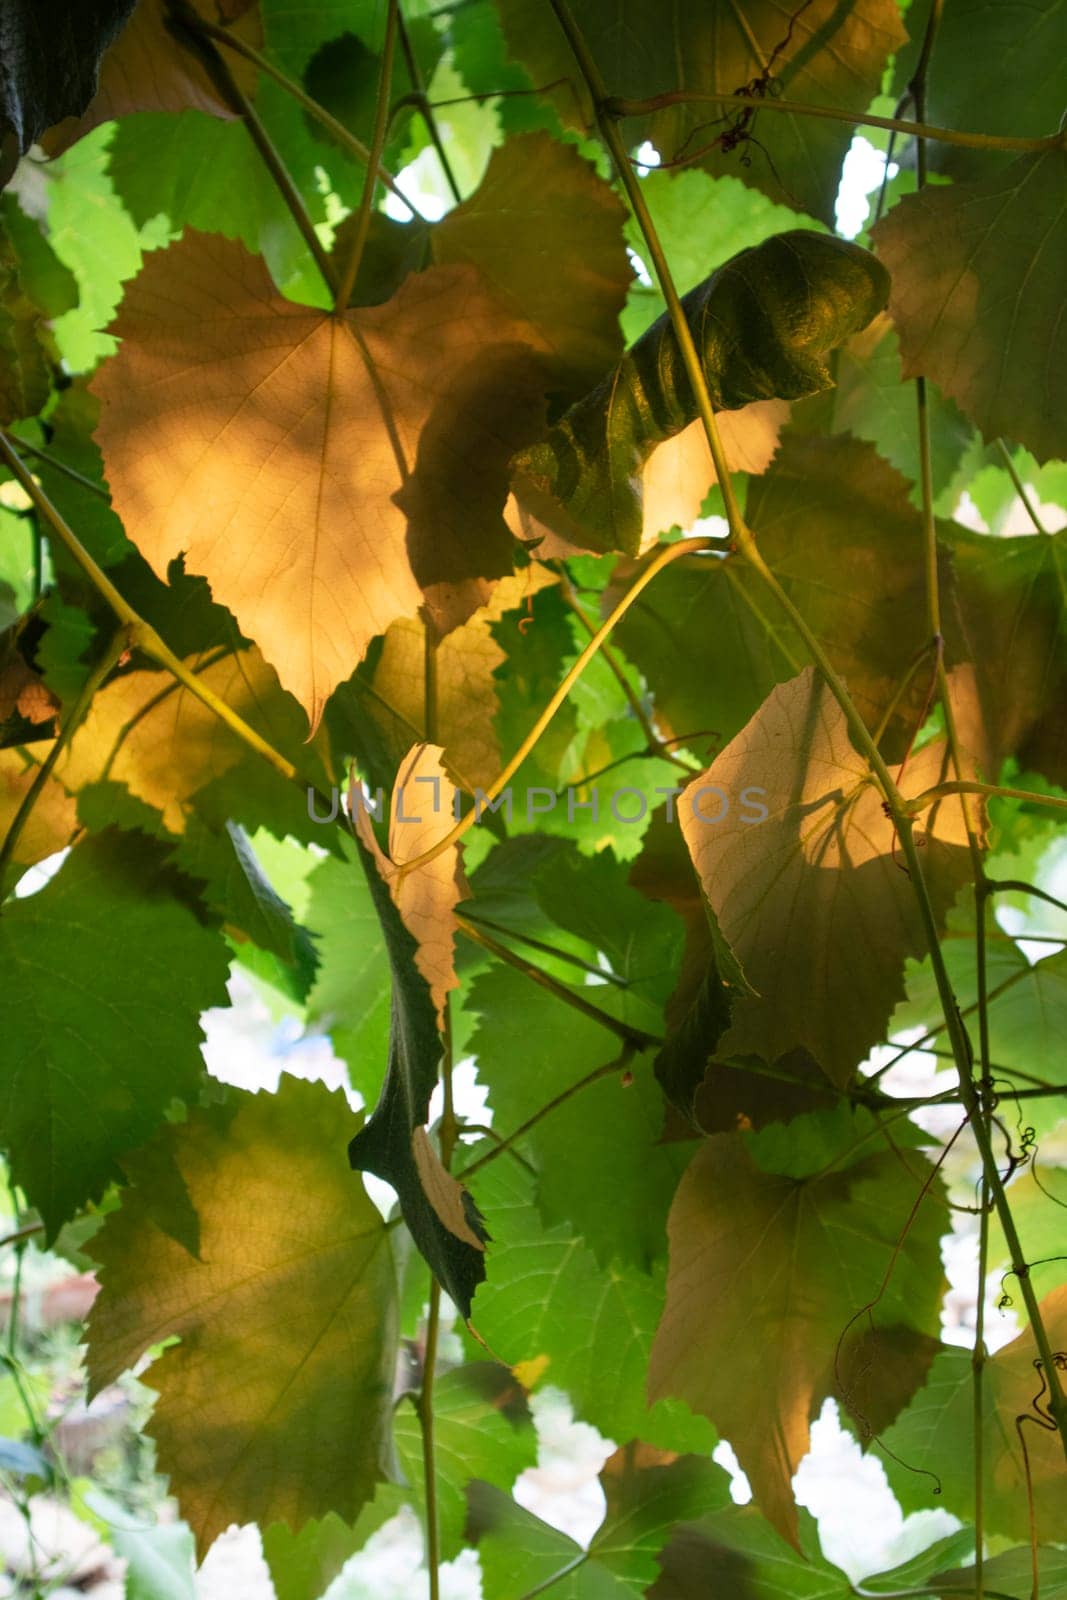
{"x":61,"y":467}
{"x":618,"y":108}
{"x":115,"y":649}
{"x":966,"y":786}
{"x":182,"y":21}
{"x":635,"y":1038}
{"x":1020,"y":886}
{"x":898,"y":808}
{"x":667,"y":554}
{"x":545,"y":949}
{"x":424,"y":107}
{"x":381,"y":122}
{"x":1021,"y":489}
{"x":618,"y":1065}
{"x":314,"y":108}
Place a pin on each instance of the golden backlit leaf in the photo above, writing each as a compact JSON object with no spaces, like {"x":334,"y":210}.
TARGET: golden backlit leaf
{"x":421,"y":812}
{"x":147,"y":69}
{"x":145,"y":730}
{"x":444,"y":1192}
{"x":326,"y":474}
{"x":803,"y":870}
{"x":680,"y":471}
{"x":275,"y":1404}
{"x":51,"y":824}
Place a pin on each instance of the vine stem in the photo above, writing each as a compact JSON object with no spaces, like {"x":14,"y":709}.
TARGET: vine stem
{"x":993,"y":790}
{"x":115,"y":649}
{"x":313,"y":107}
{"x":617,"y":109}
{"x":139,"y":633}
{"x":635,"y":1038}
{"x":381,"y":122}
{"x":424,"y":108}
{"x":182,"y":21}
{"x":897,"y":806}
{"x":1020,"y":488}
{"x":667,"y":554}
{"x":618,"y":1065}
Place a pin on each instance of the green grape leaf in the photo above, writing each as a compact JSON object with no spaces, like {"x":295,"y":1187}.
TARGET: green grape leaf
{"x":647,"y":1493}
{"x":47,"y":282}
{"x":977,"y":296}
{"x":482,"y":1430}
{"x":763,"y":324}
{"x":351,"y":995}
{"x":932,"y":1441}
{"x":107,"y":974}
{"x":1009,"y":1573}
{"x":275,"y":1403}
{"x":737,"y":1552}
{"x":811,"y":1248}
{"x":25,"y":377}
{"x":553,"y":1314}
{"x":615,"y":1124}
{"x":441,"y":1217}
{"x":304,"y":1564}
{"x":824,"y":54}
{"x":51,"y":55}
{"x":995,"y":68}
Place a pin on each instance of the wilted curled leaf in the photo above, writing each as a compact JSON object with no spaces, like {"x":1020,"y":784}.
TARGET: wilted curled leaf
{"x":802,"y":868}
{"x":427,"y":897}
{"x":327,"y":474}
{"x":763,"y":324}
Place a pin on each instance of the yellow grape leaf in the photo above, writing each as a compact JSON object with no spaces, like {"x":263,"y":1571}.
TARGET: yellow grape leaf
{"x":421,"y":812}
{"x":147,"y":69}
{"x":680,"y":471}
{"x":327,"y":474}
{"x":275,"y":1405}
{"x":147,"y":731}
{"x":51,"y":824}
{"x":467,"y":660}
{"x":801,"y":866}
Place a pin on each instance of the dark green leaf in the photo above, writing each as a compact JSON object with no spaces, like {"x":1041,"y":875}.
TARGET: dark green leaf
{"x":387,"y":1145}
{"x":107,"y":974}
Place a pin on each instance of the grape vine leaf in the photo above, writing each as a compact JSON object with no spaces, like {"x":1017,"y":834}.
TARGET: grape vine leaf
{"x":994,"y":67}
{"x":482,"y":1430}
{"x":1009,"y":1573}
{"x":275,"y":1404}
{"x":647,"y":1492}
{"x":149,"y":732}
{"x":386,"y":432}
{"x":239,"y":889}
{"x":427,"y":896}
{"x":818,"y":873}
{"x":547,"y":234}
{"x":51,"y":55}
{"x":547,"y":1308}
{"x":25,"y":377}
{"x":441,"y":1217}
{"x":467,"y":660}
{"x":762,"y":324}
{"x":615,"y":1124}
{"x":737,"y":1552}
{"x":933,"y":1436}
{"x":107,"y":974}
{"x":49,"y":827}
{"x":149,"y":69}
{"x":304,"y":1564}
{"x":812,"y":1248}
{"x":49,"y":283}
{"x":824,"y":54}
{"x":977,"y":296}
